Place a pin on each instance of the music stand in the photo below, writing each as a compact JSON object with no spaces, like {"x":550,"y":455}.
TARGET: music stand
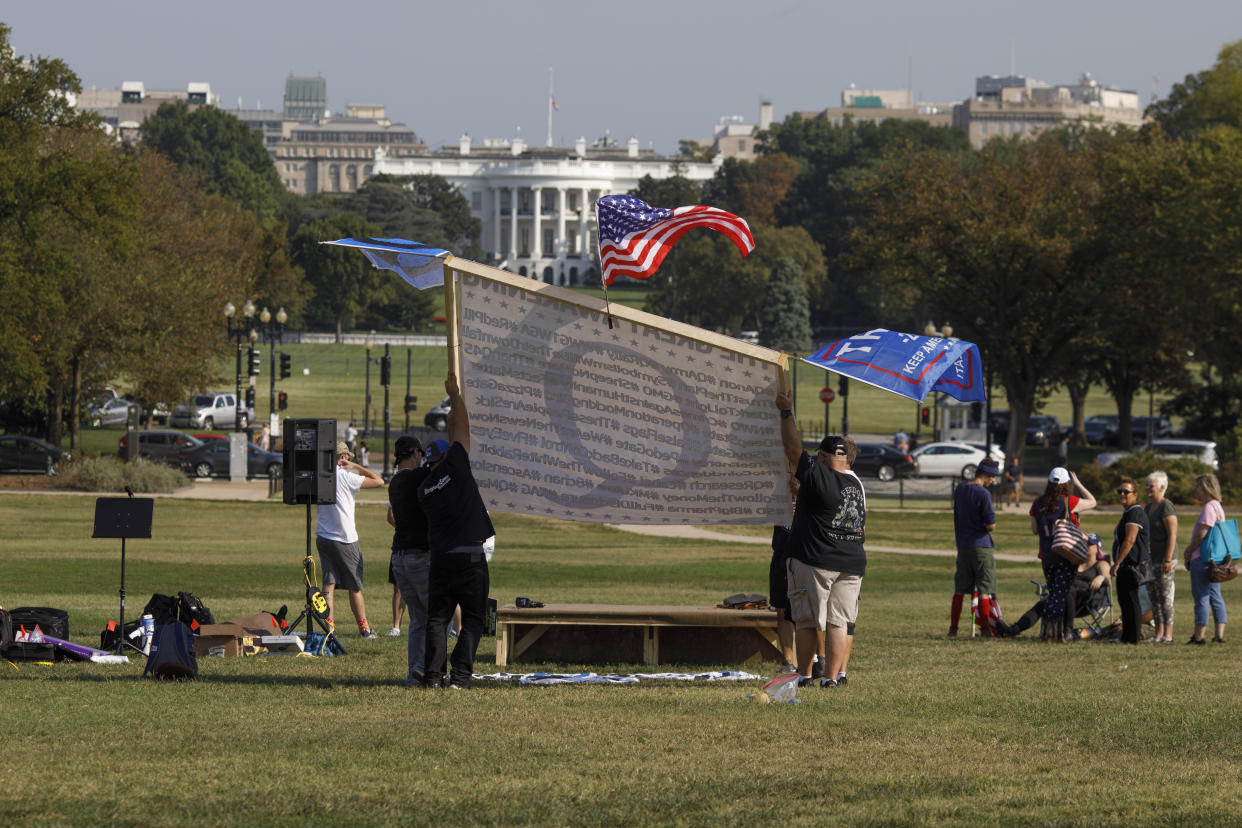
{"x":123,"y":517}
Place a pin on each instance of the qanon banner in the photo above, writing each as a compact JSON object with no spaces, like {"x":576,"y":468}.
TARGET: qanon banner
{"x":650,"y":421}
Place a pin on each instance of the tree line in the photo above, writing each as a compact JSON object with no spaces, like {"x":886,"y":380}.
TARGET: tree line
{"x":116,"y":261}
{"x":1089,"y":255}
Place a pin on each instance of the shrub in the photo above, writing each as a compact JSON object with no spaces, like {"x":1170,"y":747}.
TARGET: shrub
{"x":110,"y":474}
{"x":1102,"y":482}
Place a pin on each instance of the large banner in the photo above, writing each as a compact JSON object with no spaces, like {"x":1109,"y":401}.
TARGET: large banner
{"x":651,"y":421}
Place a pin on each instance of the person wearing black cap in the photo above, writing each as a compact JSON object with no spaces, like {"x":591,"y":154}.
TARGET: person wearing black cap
{"x":826,"y":560}
{"x":458,"y":527}
{"x":973,"y":523}
{"x":410,"y":564}
{"x":336,"y":538}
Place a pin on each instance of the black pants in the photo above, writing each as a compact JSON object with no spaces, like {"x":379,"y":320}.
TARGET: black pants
{"x":456,"y":579}
{"x":1128,"y":601}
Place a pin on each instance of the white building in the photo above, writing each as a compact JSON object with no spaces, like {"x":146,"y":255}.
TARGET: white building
{"x":536,"y":203}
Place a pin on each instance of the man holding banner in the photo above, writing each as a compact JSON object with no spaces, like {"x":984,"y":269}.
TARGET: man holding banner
{"x":826,"y":557}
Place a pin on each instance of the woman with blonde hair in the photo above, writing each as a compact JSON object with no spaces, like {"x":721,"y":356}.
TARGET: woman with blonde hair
{"x":1162,"y":518}
{"x":1206,"y":593}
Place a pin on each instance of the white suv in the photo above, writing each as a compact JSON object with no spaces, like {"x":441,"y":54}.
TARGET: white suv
{"x":209,"y":411}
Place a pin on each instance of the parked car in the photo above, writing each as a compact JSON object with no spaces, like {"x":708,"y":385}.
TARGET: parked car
{"x":211,"y":458}
{"x":1202,"y":450}
{"x":882,"y":461}
{"x":1101,"y":429}
{"x":28,"y":455}
{"x":947,"y":459}
{"x":162,"y":445}
{"x":437,"y":418}
{"x":209,"y":410}
{"x":995,"y":452}
{"x":113,"y":412}
{"x":1161,"y":427}
{"x":1043,"y":430}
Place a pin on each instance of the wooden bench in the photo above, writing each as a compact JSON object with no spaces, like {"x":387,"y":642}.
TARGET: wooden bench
{"x":594,"y":633}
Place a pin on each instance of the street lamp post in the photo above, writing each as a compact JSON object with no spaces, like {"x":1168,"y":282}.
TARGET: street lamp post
{"x":367,"y":345}
{"x":241,"y":332}
{"x":273,"y":335}
{"x":386,"y":380}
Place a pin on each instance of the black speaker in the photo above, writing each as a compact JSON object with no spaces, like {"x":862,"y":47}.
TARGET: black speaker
{"x":309,"y":461}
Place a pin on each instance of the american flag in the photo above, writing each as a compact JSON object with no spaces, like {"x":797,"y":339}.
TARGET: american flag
{"x":634,"y":237}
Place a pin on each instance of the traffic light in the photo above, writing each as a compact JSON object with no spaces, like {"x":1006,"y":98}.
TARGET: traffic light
{"x":411,"y":403}
{"x":844,"y":387}
{"x":256,"y":361}
{"x":385,"y":370}
{"x":282,"y":401}
{"x":286,"y":366}
{"x":926,"y":414}
{"x":250,"y":397}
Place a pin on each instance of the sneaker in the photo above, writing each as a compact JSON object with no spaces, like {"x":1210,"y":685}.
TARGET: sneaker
{"x":788,"y":668}
{"x":1216,"y":639}
{"x":368,"y":633}
{"x":828,"y":683}
{"x":952,"y":632}
{"x":841,"y":680}
{"x":1197,"y":641}
{"x":415,"y":679}
{"x":817,"y":668}
{"x":452,"y":631}
{"x":805,"y":681}
{"x":394,"y":632}
{"x":456,"y":687}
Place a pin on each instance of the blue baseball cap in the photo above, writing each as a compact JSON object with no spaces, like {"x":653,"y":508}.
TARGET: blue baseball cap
{"x":435,"y":450}
{"x":1093,"y":538}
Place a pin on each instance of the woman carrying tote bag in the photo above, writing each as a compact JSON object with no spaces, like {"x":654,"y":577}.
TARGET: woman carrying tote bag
{"x":1207,"y":495}
{"x":1055,"y":503}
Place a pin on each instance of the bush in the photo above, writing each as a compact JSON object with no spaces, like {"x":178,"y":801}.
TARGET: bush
{"x":1103,"y":482}
{"x":110,"y":474}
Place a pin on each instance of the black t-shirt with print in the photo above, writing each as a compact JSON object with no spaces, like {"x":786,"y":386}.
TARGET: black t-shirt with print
{"x":828,"y":523}
{"x":456,"y":515}
{"x":410,"y":529}
{"x":1139,"y":556}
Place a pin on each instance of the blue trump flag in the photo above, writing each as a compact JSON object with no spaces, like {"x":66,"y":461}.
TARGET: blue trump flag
{"x":907,"y":364}
{"x":418,"y":264}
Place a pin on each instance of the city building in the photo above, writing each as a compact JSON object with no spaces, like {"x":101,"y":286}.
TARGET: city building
{"x":1017,"y":105}
{"x":535,"y":203}
{"x":123,"y":110}
{"x":878,"y":105}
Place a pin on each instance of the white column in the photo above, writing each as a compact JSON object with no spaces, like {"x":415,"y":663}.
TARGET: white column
{"x":560,"y":237}
{"x":513,"y":201}
{"x":536,"y":237}
{"x":583,"y":250}
{"x":496,"y":248}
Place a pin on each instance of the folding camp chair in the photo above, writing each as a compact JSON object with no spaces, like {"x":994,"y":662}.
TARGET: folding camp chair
{"x":1097,"y":611}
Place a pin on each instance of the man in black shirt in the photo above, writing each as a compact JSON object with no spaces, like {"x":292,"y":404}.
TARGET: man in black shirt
{"x":458,"y":527}
{"x":826,"y":558}
{"x":411,"y":562}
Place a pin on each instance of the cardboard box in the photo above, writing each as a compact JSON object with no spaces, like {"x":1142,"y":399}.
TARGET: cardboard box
{"x":228,"y":635}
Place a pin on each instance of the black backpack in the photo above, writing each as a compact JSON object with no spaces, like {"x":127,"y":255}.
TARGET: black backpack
{"x":191,"y":612}
{"x":163,"y":608}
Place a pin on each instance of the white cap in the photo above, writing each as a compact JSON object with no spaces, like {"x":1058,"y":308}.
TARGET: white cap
{"x":1058,"y":475}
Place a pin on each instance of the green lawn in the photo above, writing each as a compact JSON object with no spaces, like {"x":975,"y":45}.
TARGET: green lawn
{"x":929,"y":730}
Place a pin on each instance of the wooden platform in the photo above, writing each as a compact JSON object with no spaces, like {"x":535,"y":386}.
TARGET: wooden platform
{"x":595,"y":633}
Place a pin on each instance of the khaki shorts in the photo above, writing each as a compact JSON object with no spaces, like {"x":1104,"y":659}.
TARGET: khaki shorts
{"x":821,"y":598}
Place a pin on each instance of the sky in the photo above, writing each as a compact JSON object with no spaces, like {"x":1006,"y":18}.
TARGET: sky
{"x":658,"y":70}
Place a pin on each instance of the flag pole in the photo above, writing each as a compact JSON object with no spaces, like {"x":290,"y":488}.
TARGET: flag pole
{"x":550,"y":99}
{"x":599,"y":252}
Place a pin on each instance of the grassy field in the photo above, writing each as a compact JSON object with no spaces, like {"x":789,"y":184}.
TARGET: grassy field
{"x":929,"y":730}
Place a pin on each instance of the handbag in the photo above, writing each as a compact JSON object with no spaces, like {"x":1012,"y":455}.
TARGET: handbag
{"x":1219,"y":573}
{"x":1221,"y":542}
{"x":1068,"y":540}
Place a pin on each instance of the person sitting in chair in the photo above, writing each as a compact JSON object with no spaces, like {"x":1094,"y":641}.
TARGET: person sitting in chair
{"x":1092,"y":574}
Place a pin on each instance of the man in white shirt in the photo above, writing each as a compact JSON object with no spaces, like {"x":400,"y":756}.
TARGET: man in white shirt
{"x":336,"y":537}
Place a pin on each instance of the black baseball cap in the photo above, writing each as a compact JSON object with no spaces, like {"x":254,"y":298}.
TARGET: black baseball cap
{"x":831,"y":443}
{"x":406,"y":446}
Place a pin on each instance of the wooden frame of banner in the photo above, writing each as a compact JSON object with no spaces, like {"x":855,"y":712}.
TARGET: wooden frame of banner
{"x":453,"y":266}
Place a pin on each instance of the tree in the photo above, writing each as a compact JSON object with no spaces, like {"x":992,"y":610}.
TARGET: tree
{"x":753,"y":190}
{"x":1213,"y":97}
{"x":226,"y":152}
{"x":984,"y":241}
{"x":785,"y":317}
{"x":344,"y":282}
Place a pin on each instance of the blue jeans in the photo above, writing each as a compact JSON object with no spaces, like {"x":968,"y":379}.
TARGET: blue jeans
{"x":411,"y":569}
{"x":1205,"y":593}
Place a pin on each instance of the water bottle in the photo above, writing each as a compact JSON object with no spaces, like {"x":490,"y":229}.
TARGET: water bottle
{"x":148,"y":633}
